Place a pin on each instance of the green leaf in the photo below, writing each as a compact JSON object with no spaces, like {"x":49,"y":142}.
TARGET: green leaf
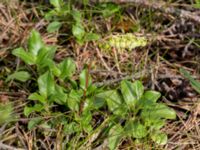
{"x":85,"y":79}
{"x":194,"y":83}
{"x":60,"y":97}
{"x":136,"y":129}
{"x":114,"y":102}
{"x":157,"y":111}
{"x":34,"y":122}
{"x":54,"y":26}
{"x":77,"y":16}
{"x":49,"y":15}
{"x":67,"y":68}
{"x":44,"y":54}
{"x":36,"y":96}
{"x":115,"y":136}
{"x":52,"y":67}
{"x":156,"y":124}
{"x":197,"y":4}
{"x":86,"y":118}
{"x":74,"y":99}
{"x":35,"y":108}
{"x":78,"y":31}
{"x":159,"y":138}
{"x":56,"y":3}
{"x":108,"y":9}
{"x":151,"y":95}
{"x":148,"y":99}
{"x":91,"y":37}
{"x":25,"y":56}
{"x":34,"y":43}
{"x":22,"y":76}
{"x":131,"y":92}
{"x":46,"y":84}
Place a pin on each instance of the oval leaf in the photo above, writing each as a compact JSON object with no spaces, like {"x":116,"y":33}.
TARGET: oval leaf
{"x":46,"y":84}
{"x":78,"y":31}
{"x":152,"y":95}
{"x":22,"y":76}
{"x":54,"y":26}
{"x":25,"y":56}
{"x":131,"y":92}
{"x":35,"y":42}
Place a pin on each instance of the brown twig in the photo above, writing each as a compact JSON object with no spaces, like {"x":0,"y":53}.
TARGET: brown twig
{"x":160,"y":6}
{"x":137,"y":75}
{"x":7,"y":147}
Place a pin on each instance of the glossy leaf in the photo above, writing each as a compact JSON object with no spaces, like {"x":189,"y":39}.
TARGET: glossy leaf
{"x":46,"y":84}
{"x":67,"y":68}
{"x":34,"y":43}
{"x":44,"y":54}
{"x":158,"y":111}
{"x":54,"y":26}
{"x":25,"y":56}
{"x":22,"y":76}
{"x":159,"y":138}
{"x":114,"y":137}
{"x":131,"y":92}
{"x":151,"y":95}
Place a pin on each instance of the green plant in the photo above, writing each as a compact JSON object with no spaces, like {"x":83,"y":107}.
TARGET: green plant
{"x":50,"y":89}
{"x":197,"y":4}
{"x":139,"y":111}
{"x":66,"y":14}
{"x":131,"y":111}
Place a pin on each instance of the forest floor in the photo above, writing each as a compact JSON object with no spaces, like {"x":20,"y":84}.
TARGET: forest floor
{"x":173,"y":43}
